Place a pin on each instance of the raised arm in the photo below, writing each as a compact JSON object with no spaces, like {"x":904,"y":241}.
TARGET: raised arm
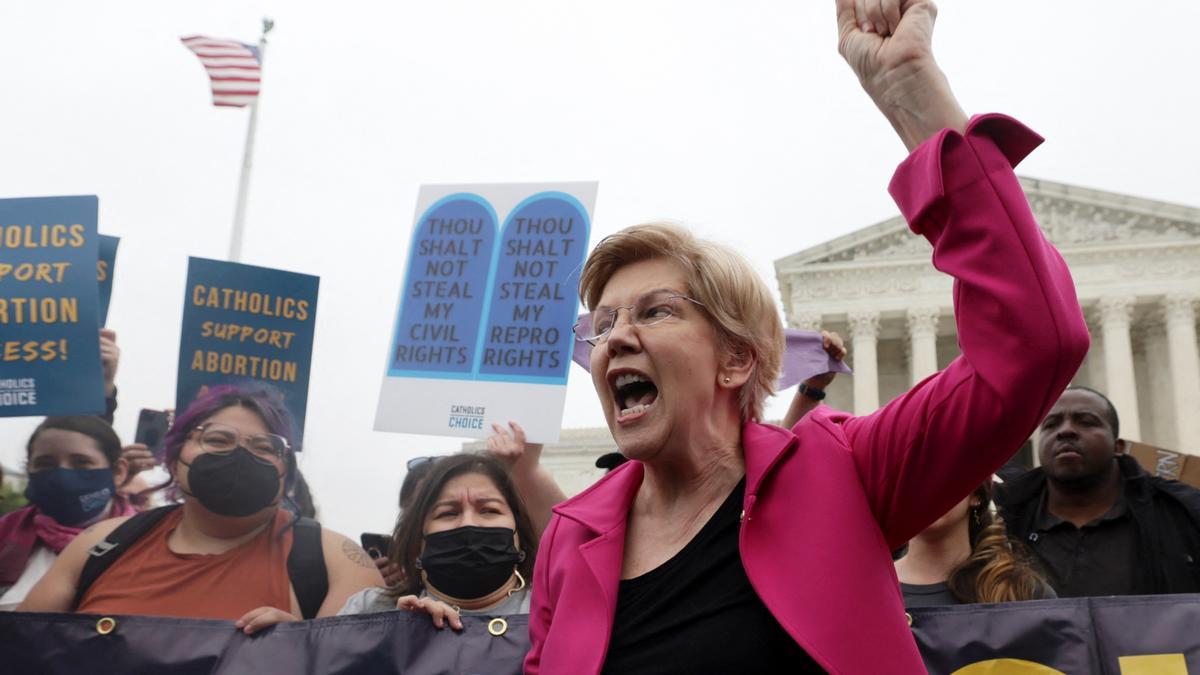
{"x":1019,"y":323}
{"x":889,"y":44}
{"x":810,"y":392}
{"x":536,"y":486}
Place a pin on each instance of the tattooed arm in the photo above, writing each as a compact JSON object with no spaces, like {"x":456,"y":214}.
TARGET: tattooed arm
{"x":350,"y":571}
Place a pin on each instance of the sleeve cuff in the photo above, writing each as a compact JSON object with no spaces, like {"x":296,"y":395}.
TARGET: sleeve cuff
{"x":945,"y":162}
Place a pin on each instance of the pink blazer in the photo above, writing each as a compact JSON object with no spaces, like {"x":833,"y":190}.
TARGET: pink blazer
{"x":827,"y":501}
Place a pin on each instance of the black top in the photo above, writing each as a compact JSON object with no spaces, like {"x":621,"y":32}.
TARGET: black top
{"x":1096,"y":559}
{"x":927,"y":595}
{"x":697,"y":613}
{"x":1165,"y":516}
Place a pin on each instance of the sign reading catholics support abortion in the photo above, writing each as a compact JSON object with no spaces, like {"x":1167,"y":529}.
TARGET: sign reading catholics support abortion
{"x":49,"y":321}
{"x":483,"y":327}
{"x":247,"y":325}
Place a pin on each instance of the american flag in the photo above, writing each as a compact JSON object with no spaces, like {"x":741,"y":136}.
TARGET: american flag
{"x":234,"y":67}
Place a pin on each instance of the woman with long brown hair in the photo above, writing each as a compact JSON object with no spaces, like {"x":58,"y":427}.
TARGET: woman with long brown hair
{"x":966,"y":556}
{"x":464,"y":546}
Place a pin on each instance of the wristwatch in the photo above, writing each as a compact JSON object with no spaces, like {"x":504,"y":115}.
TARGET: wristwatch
{"x":812,"y":392}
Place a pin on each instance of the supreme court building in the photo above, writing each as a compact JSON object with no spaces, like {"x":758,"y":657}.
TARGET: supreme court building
{"x":1136,"y":265}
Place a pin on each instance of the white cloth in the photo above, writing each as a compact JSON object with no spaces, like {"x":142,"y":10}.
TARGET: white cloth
{"x":39,"y":563}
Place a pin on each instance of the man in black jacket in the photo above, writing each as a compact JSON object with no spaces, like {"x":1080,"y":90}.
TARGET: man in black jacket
{"x":1097,"y":523}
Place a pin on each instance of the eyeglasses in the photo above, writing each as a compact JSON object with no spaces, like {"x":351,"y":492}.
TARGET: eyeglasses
{"x":649,"y":310}
{"x":221,"y":438}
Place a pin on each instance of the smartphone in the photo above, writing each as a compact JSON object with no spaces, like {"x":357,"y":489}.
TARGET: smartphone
{"x":376,"y":545}
{"x":152,"y":426}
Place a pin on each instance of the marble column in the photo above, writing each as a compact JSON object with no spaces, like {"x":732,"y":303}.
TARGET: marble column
{"x":1155,"y":398}
{"x":1180,"y":312}
{"x":803,"y":319}
{"x":864,"y":332}
{"x":1120,"y":385}
{"x":922,"y":336}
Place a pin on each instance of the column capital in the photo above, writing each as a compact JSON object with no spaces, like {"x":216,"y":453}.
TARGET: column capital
{"x":923,"y":321}
{"x":806,"y":319}
{"x":1116,"y":308}
{"x":1180,"y":307}
{"x":863,"y":324}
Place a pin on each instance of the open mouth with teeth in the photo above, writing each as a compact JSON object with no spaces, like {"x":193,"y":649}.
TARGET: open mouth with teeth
{"x":634,"y":394}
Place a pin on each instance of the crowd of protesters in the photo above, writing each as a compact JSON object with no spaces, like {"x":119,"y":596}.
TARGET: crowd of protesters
{"x":716,"y":542}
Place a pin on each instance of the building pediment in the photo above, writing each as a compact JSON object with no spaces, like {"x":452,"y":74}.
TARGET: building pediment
{"x":1074,"y":218}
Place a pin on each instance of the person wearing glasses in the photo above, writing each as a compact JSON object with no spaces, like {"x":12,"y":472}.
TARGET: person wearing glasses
{"x":728,"y":545}
{"x":227,"y":551}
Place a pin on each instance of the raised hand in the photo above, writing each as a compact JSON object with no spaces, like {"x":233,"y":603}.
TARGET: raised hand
{"x":512,"y":449}
{"x":139,"y":458}
{"x":110,"y":358}
{"x":889,"y":45}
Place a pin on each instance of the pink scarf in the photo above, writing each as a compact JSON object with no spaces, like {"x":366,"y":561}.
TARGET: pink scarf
{"x":22,"y":530}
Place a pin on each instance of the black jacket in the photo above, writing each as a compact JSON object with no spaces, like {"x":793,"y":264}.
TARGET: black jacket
{"x":1166,"y":515}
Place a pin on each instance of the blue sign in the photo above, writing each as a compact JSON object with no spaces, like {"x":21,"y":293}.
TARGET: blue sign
{"x":105,"y":267}
{"x":483,"y":328}
{"x":448,"y":263}
{"x":247,"y":325}
{"x":474,"y":310}
{"x":535,"y":293}
{"x":49,"y":330}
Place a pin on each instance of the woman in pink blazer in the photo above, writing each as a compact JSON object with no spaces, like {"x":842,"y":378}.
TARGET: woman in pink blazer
{"x":728,"y":545}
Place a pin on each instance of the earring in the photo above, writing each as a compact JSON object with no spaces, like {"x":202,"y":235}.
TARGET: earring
{"x":975,"y":515}
{"x":520,"y":587}
{"x":727,"y":380}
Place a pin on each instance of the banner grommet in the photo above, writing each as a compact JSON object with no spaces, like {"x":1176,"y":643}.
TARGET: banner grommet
{"x":106,"y":625}
{"x":497,"y":627}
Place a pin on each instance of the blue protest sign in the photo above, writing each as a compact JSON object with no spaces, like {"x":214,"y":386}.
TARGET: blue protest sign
{"x":448,"y":262}
{"x":49,"y":330}
{"x":535,"y":294}
{"x":105,"y":267}
{"x":247,"y":325}
{"x":483,"y":325}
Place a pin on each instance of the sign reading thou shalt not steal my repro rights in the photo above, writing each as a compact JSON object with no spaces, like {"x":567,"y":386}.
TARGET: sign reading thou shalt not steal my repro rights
{"x":483,"y":328}
{"x":49,"y":322}
{"x":247,"y":326}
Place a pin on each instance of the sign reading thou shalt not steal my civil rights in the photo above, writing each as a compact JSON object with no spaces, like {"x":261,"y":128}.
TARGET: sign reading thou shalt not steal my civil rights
{"x":247,"y":326}
{"x":483,"y":328}
{"x":49,"y":322}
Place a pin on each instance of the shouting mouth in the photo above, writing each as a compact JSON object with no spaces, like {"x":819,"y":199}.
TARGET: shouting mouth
{"x":633,"y":393}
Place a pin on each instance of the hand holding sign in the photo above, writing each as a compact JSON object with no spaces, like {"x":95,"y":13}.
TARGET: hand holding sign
{"x":110,"y":358}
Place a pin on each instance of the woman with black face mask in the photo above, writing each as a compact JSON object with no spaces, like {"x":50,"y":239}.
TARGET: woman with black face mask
{"x":465,"y":546}
{"x":74,"y":466}
{"x":224,"y":553}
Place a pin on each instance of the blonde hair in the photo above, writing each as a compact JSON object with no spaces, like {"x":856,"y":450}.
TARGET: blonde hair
{"x":735,"y":298}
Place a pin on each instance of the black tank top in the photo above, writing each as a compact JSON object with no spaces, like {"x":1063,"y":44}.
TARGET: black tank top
{"x":697,"y":613}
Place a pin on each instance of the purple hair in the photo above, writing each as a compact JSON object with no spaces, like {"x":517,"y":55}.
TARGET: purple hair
{"x":264,"y":401}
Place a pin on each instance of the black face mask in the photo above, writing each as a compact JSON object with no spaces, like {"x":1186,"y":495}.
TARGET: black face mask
{"x":232,"y":484}
{"x":469,"y":562}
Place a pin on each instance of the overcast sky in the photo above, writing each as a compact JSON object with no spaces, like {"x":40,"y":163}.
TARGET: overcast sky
{"x":737,"y":118}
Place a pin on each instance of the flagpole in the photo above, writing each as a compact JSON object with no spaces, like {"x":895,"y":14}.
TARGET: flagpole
{"x":239,"y":212}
